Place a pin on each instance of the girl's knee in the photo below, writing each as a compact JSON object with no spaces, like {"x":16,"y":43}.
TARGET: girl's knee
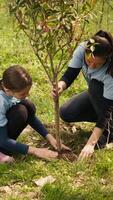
{"x":17,"y":113}
{"x":30,"y":106}
{"x":22,"y":113}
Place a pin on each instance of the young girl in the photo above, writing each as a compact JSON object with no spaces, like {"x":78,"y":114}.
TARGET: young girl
{"x":16,"y":112}
{"x":95,"y":58}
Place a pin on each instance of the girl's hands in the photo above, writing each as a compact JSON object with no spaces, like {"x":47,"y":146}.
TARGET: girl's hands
{"x":53,"y":142}
{"x":44,"y":153}
{"x":86,"y":152}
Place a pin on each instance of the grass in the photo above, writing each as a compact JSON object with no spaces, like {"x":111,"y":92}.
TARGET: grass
{"x":74,"y":181}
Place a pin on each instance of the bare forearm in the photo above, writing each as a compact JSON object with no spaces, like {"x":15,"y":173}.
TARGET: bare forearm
{"x":31,"y":150}
{"x":97,"y":132}
{"x":88,"y":150}
{"x":34,"y":151}
{"x":42,"y":153}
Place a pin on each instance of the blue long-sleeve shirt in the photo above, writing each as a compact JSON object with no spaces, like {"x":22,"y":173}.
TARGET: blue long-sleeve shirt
{"x":7,"y":143}
{"x":12,"y":145}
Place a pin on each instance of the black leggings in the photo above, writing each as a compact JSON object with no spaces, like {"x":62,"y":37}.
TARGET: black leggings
{"x":18,"y":118}
{"x":86,"y":106}
{"x":79,"y":108}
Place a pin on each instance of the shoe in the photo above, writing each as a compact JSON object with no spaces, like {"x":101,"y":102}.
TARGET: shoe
{"x":103,"y":140}
{"x":111,"y":138}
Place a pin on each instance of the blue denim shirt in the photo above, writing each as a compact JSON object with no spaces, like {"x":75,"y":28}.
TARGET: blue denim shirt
{"x":99,"y":74}
{"x":6,"y":102}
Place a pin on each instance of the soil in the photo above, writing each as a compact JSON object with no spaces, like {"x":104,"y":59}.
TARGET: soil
{"x":72,"y":135}
{"x":67,"y":155}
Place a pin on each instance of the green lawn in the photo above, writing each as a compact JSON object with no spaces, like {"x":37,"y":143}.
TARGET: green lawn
{"x":91,"y":180}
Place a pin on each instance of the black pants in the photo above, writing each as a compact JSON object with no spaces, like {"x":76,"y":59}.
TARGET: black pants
{"x":79,"y":108}
{"x":86,"y":106}
{"x":18,"y":117}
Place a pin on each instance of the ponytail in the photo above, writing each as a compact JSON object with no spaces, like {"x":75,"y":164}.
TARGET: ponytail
{"x":106,"y":35}
{"x":109,"y":38}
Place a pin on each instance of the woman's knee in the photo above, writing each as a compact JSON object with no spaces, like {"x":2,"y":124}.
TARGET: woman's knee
{"x":64,"y":114}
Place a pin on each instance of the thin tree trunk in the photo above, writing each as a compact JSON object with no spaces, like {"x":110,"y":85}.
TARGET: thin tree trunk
{"x":102,"y":14}
{"x":57,"y":119}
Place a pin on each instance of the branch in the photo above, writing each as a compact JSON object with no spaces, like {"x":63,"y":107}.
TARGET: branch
{"x":61,"y":58}
{"x":82,"y":31}
{"x":51,"y":61}
{"x":44,"y":66}
{"x":20,"y":23}
{"x":101,"y":17}
{"x":65,"y":63}
{"x":110,"y":5}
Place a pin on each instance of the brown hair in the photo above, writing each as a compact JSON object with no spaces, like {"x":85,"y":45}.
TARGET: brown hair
{"x":103,"y":47}
{"x":16,"y":78}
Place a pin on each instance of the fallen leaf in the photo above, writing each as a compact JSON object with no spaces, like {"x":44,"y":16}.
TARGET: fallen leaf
{"x":74,"y":129}
{"x":6,"y":189}
{"x":42,"y":181}
{"x":103,"y":181}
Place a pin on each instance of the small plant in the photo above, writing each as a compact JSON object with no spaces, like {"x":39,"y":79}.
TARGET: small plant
{"x":54,"y":28}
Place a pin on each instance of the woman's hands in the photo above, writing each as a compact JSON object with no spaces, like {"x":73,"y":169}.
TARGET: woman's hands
{"x":86,"y":152}
{"x":61,"y":88}
{"x":53,"y":142}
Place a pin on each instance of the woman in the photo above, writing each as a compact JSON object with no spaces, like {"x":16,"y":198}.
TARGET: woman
{"x":95,"y":58}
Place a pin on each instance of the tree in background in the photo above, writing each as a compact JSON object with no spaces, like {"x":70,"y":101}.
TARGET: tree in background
{"x":54,"y":28}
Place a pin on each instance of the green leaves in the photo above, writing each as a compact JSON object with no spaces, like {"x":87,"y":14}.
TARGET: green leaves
{"x":51,"y":27}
